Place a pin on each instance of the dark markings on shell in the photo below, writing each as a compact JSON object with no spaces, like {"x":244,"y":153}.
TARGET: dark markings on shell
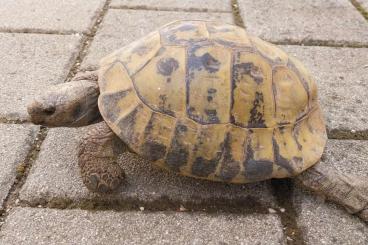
{"x":280,"y":160}
{"x":164,"y":106}
{"x":111,"y":101}
{"x":229,"y":167}
{"x":127,"y":124}
{"x":255,"y":170}
{"x":166,"y":66}
{"x":256,"y":116}
{"x":250,"y":69}
{"x":212,"y":116}
{"x":151,"y":149}
{"x":203,"y":167}
{"x":171,"y":34}
{"x":178,"y":154}
{"x":205,"y":61}
{"x":295,"y":134}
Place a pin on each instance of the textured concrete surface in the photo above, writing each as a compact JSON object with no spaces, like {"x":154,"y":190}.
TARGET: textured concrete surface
{"x":204,"y":5}
{"x":341,"y":75}
{"x":55,"y":175}
{"x":299,"y":20}
{"x":348,"y":156}
{"x":15,"y":143}
{"x":120,"y":27}
{"x":324,"y":223}
{"x":41,"y":226}
{"x":29,"y":63}
{"x":50,"y":16}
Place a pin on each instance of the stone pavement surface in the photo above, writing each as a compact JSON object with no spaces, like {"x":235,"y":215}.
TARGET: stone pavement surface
{"x":15,"y":144}
{"x":43,"y":200}
{"x":335,"y":21}
{"x":109,"y":227}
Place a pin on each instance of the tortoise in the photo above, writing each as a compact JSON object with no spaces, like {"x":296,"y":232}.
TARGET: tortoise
{"x":205,"y":100}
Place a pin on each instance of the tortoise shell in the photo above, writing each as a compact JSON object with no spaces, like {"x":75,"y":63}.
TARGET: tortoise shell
{"x":209,"y":101}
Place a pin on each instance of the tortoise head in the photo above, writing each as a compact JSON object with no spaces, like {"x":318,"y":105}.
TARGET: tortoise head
{"x":71,"y":104}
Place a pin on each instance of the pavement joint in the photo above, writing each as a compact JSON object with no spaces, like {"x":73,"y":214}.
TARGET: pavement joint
{"x":347,"y":134}
{"x":324,"y":43}
{"x":4,"y":120}
{"x":360,"y":8}
{"x":283,"y":191}
{"x":22,"y":173}
{"x":86,"y":41}
{"x":236,"y":14}
{"x":39,"y":31}
{"x":192,"y":10}
{"x":246,"y":205}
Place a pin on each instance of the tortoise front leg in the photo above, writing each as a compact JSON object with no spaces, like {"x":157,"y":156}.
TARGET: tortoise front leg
{"x":97,"y":159}
{"x":347,"y":190}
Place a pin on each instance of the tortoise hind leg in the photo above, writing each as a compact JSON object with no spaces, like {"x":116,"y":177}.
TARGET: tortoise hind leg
{"x":347,"y":190}
{"x":97,"y":159}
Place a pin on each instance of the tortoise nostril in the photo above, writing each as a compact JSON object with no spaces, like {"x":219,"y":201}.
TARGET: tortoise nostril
{"x":49,"y":110}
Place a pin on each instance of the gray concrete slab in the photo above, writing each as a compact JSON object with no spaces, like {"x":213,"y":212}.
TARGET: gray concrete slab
{"x":28,"y":64}
{"x":348,"y":156}
{"x":326,"y":223}
{"x":323,"y":223}
{"x":42,"y":226}
{"x":120,"y":27}
{"x":299,"y":20}
{"x":15,"y":144}
{"x":204,"y":5}
{"x":54,"y":178}
{"x":49,"y":16}
{"x":341,"y":75}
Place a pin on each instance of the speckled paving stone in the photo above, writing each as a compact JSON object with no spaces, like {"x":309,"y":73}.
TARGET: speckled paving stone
{"x":28,"y":64}
{"x":326,"y":223}
{"x":15,"y":143}
{"x":341,"y":75}
{"x":42,"y":226}
{"x":323,"y":223}
{"x":49,"y":16}
{"x":55,"y":176}
{"x":299,"y":20}
{"x":204,"y":5}
{"x":120,"y":27}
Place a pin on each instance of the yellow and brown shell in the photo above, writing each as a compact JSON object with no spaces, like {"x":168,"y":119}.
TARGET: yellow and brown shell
{"x":209,"y":101}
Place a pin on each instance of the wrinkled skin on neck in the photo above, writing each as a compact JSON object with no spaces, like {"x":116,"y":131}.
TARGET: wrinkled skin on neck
{"x":72,"y":104}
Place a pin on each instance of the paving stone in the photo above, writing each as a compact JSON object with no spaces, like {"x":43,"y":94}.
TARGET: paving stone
{"x":28,"y":64}
{"x":323,"y":223}
{"x":15,"y":143}
{"x":120,"y":27}
{"x":348,"y":156}
{"x":51,"y":16}
{"x":40,"y":226}
{"x":204,"y":5}
{"x":55,"y":176}
{"x":326,"y":223}
{"x":341,"y":75}
{"x":299,"y":20}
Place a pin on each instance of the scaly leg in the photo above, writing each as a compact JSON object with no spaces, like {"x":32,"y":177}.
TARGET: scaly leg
{"x":347,"y":190}
{"x":98,"y":151}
